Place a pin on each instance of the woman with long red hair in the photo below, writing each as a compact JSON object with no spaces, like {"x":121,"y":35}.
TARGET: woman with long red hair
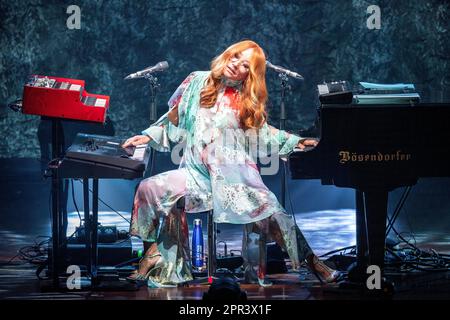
{"x":220,"y":120}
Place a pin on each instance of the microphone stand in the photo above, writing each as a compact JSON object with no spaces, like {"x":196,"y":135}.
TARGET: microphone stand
{"x":284,"y":88}
{"x":154,"y":85}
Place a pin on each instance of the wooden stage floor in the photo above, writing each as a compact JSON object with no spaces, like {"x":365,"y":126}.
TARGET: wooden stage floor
{"x":25,"y":214}
{"x":19,"y":282}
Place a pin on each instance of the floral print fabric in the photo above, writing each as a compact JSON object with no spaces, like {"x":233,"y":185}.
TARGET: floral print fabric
{"x":217,"y":172}
{"x":221,"y":169}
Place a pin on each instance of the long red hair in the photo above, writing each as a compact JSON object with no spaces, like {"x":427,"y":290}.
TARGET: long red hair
{"x":252,"y":111}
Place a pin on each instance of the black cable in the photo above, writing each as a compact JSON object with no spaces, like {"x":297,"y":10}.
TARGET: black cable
{"x":117,"y":212}
{"x":21,"y":253}
{"x":42,"y":264}
{"x":399,"y":235}
{"x":26,"y":253}
{"x":100,"y":199}
{"x":36,"y":254}
{"x":410,"y":227}
{"x":79,"y":216}
{"x":417,"y":261}
{"x":337,"y":250}
{"x":10,"y":260}
{"x":399,"y":206}
{"x":410,"y":258}
{"x":418,"y":257}
{"x":417,"y":265}
{"x":75,"y":202}
{"x":289,"y":195}
{"x":73,"y":196}
{"x":235,"y":250}
{"x":123,"y":240}
{"x":295,"y":221}
{"x":127,"y":262}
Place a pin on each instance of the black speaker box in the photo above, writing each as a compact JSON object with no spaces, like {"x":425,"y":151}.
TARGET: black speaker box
{"x":109,"y":254}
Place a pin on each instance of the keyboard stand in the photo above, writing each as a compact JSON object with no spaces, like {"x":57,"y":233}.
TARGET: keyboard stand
{"x":90,"y":227}
{"x":91,"y":238}
{"x":57,"y":219}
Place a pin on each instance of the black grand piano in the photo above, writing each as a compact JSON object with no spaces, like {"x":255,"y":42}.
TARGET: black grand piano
{"x":375,"y":149}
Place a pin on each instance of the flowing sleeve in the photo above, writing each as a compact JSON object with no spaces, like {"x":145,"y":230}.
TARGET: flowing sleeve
{"x":162,"y":131}
{"x":276,"y":140}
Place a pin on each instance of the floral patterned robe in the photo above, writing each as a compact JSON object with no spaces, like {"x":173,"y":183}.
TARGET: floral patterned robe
{"x":221,"y":171}
{"x":217,"y":171}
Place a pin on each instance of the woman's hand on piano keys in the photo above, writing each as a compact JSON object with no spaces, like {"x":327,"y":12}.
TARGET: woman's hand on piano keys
{"x":307,"y":143}
{"x":136,"y":140}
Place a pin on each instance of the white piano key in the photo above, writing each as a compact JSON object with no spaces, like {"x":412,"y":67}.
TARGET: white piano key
{"x":100,"y":103}
{"x":75,"y":87}
{"x":139,"y":153}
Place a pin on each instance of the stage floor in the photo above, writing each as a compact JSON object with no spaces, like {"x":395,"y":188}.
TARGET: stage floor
{"x":25,"y":220}
{"x":18,"y":282}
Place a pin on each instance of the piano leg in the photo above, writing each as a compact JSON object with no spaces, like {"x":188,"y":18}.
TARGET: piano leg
{"x":376,"y":213}
{"x":357,"y":271}
{"x":371,"y":214}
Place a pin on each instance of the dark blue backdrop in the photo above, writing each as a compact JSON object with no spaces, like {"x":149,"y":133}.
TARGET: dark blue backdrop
{"x":322,"y":40}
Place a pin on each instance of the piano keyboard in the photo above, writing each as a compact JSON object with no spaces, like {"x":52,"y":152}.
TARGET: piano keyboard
{"x":104,"y":157}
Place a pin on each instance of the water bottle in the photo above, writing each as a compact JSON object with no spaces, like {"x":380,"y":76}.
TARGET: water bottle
{"x":197,"y":245}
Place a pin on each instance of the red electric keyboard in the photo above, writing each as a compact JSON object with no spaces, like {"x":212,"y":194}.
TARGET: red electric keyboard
{"x":63,"y":98}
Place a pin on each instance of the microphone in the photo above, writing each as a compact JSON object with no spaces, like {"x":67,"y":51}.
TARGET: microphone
{"x":283,"y":70}
{"x":160,"y":66}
